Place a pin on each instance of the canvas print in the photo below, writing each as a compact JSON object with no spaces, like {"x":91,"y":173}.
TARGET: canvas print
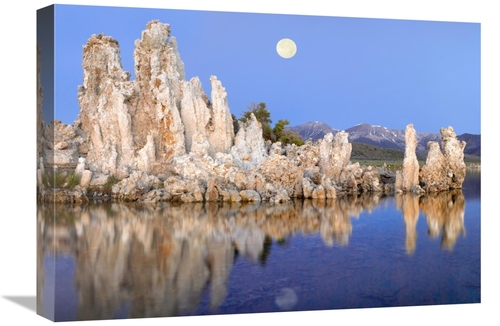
{"x":209,"y":163}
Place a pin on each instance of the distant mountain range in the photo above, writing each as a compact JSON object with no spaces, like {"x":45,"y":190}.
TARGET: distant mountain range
{"x":383,"y":137}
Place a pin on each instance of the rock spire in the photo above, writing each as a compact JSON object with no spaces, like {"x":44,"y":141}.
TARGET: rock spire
{"x":145,"y":123}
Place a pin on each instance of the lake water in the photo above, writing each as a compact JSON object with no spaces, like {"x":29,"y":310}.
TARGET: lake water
{"x":107,"y":261}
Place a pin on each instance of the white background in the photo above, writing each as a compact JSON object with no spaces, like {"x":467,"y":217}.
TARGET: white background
{"x":18,"y":177}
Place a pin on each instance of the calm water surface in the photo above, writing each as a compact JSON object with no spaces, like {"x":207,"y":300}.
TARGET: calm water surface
{"x":106,"y":261}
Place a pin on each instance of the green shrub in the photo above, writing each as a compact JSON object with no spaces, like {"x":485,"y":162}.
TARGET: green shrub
{"x":110,"y":182}
{"x":291,"y":137}
{"x":72,"y":180}
{"x":54,"y":179}
{"x":277,"y":133}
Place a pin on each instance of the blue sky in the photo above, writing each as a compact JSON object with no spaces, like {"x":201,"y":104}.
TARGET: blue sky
{"x":346,"y":70}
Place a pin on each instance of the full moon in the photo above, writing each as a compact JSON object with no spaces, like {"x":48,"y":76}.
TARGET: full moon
{"x":286,"y":48}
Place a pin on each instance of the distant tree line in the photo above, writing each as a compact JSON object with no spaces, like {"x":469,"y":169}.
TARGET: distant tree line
{"x":274,"y":134}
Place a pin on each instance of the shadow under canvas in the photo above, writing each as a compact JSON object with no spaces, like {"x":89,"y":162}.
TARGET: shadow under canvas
{"x":25,"y":301}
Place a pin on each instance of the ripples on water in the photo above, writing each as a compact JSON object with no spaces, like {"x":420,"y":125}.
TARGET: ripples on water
{"x":130,"y":260}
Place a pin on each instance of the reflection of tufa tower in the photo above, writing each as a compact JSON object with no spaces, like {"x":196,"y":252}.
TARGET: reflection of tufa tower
{"x":445,"y":212}
{"x":160,"y":262}
{"x":408,"y":203}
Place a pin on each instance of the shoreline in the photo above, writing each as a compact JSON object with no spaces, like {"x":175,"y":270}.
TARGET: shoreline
{"x":99,"y":193}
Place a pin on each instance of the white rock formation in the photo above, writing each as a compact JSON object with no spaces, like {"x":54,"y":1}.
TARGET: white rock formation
{"x":60,"y":145}
{"x":433,"y":174}
{"x":212,"y":120}
{"x":85,"y":178}
{"x":104,"y":110}
{"x":407,"y":179}
{"x":334,"y":154}
{"x":81,"y":166}
{"x":453,"y":151}
{"x":146,"y":123}
{"x":444,"y":170}
{"x":279,"y":171}
{"x":249,"y":148}
{"x":221,"y":133}
{"x":194,"y":111}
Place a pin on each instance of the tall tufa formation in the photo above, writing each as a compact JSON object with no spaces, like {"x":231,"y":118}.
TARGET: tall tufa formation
{"x":211,"y":119}
{"x":105,"y":107}
{"x":407,"y":179}
{"x":159,"y":75}
{"x":249,"y":149}
{"x":221,"y":132}
{"x":444,"y":170}
{"x":334,"y":153}
{"x":145,"y":123}
{"x":454,"y":154}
